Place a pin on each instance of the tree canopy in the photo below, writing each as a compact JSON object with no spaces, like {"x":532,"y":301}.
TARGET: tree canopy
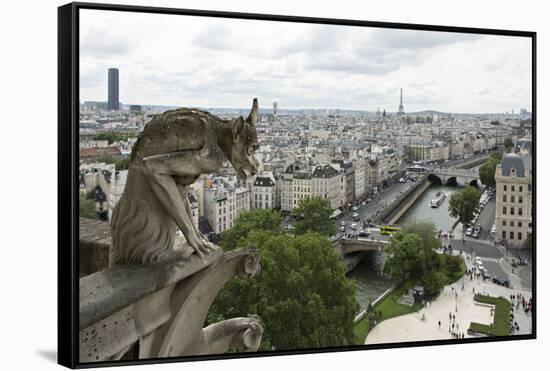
{"x":87,"y":207}
{"x":487,"y":170}
{"x":405,"y":257}
{"x":314,"y":215}
{"x":463,"y":204}
{"x":302,"y":295}
{"x":427,"y":231}
{"x":112,"y":136}
{"x":120,"y":164}
{"x":258,"y":219}
{"x":411,"y":259}
{"x":508,"y":144}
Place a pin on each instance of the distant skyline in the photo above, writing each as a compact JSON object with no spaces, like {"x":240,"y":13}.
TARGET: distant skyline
{"x":214,"y":62}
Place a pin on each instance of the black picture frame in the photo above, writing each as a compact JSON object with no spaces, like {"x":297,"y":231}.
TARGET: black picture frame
{"x":68,"y":155}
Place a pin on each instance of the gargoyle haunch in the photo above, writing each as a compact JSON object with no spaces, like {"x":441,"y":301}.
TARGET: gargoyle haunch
{"x":171,"y":152}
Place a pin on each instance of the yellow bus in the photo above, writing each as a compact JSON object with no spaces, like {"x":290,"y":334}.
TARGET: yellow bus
{"x":387,"y":230}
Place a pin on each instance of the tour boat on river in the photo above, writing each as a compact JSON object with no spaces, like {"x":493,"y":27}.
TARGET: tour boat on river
{"x":438,"y":200}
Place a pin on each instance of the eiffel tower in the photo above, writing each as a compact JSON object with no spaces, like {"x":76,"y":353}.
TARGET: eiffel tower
{"x":401,"y":110}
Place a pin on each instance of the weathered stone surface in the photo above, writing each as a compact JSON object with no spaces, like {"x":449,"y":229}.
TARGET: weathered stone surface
{"x":163,"y":307}
{"x":107,"y":291}
{"x":94,"y":245}
{"x":243,"y":333}
{"x":171,"y":152}
{"x":154,"y":295}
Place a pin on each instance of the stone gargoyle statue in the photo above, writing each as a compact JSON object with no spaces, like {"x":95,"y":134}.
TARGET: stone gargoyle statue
{"x":171,"y":152}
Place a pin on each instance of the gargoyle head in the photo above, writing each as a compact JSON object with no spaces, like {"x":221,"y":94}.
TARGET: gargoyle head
{"x":245,"y":143}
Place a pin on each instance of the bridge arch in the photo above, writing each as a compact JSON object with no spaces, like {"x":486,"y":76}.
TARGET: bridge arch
{"x":435,"y":179}
{"x":475,"y":183}
{"x":452,"y":181}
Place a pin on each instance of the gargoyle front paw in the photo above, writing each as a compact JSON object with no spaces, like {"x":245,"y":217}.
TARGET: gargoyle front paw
{"x":203,"y":247}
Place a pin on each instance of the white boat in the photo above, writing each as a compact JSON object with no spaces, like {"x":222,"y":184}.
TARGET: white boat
{"x":438,"y":200}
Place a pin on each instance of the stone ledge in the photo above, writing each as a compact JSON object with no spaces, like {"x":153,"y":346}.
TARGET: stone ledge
{"x":159,"y":310}
{"x":105,"y":292}
{"x":94,"y":244}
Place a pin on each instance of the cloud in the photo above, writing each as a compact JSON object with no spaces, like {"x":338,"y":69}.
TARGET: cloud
{"x":204,"y":61}
{"x":217,"y":38}
{"x":98,"y":42}
{"x":415,"y":40}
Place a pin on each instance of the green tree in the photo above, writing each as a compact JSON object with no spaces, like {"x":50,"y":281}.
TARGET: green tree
{"x":462,"y":204}
{"x":405,"y":257}
{"x":508,"y":144}
{"x":87,"y":207}
{"x":120,"y":164}
{"x":427,"y":231}
{"x":259,"y":219}
{"x":433,"y":283}
{"x":112,"y":136}
{"x":487,"y":170}
{"x":314,"y":215}
{"x":302,"y":295}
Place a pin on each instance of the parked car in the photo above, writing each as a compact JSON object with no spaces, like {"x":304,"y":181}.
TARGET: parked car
{"x":469,"y":231}
{"x":342,"y":228}
{"x":343,"y":223}
{"x":364,"y":233}
{"x":353,"y":226}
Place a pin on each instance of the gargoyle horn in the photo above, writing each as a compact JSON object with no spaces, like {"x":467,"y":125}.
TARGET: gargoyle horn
{"x":253,"y":116}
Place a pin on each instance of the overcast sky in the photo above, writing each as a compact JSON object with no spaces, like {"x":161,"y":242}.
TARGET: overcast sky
{"x":214,"y":62}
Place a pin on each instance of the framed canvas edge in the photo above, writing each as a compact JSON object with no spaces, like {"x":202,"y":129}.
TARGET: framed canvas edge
{"x":68,"y":202}
{"x":67,"y":228}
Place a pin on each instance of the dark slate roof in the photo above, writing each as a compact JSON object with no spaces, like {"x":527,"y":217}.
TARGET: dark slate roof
{"x":344,"y":164}
{"x":324,"y":171}
{"x":514,"y":161}
{"x":302,"y":175}
{"x":264,"y":181}
{"x":204,"y":226}
{"x":296,"y":167}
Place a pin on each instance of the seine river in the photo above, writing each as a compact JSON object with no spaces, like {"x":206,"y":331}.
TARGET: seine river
{"x":439,"y":216}
{"x":367,"y":274}
{"x":368,"y":278}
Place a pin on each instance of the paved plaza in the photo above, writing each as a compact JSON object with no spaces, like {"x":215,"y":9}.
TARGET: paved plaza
{"x":456,"y":299}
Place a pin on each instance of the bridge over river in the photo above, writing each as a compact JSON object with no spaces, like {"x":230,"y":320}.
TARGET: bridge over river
{"x":364,"y":257}
{"x":443,"y":176}
{"x":451,"y":176}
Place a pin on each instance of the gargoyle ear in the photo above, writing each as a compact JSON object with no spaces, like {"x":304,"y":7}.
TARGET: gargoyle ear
{"x":253,"y":116}
{"x":238,"y":126}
